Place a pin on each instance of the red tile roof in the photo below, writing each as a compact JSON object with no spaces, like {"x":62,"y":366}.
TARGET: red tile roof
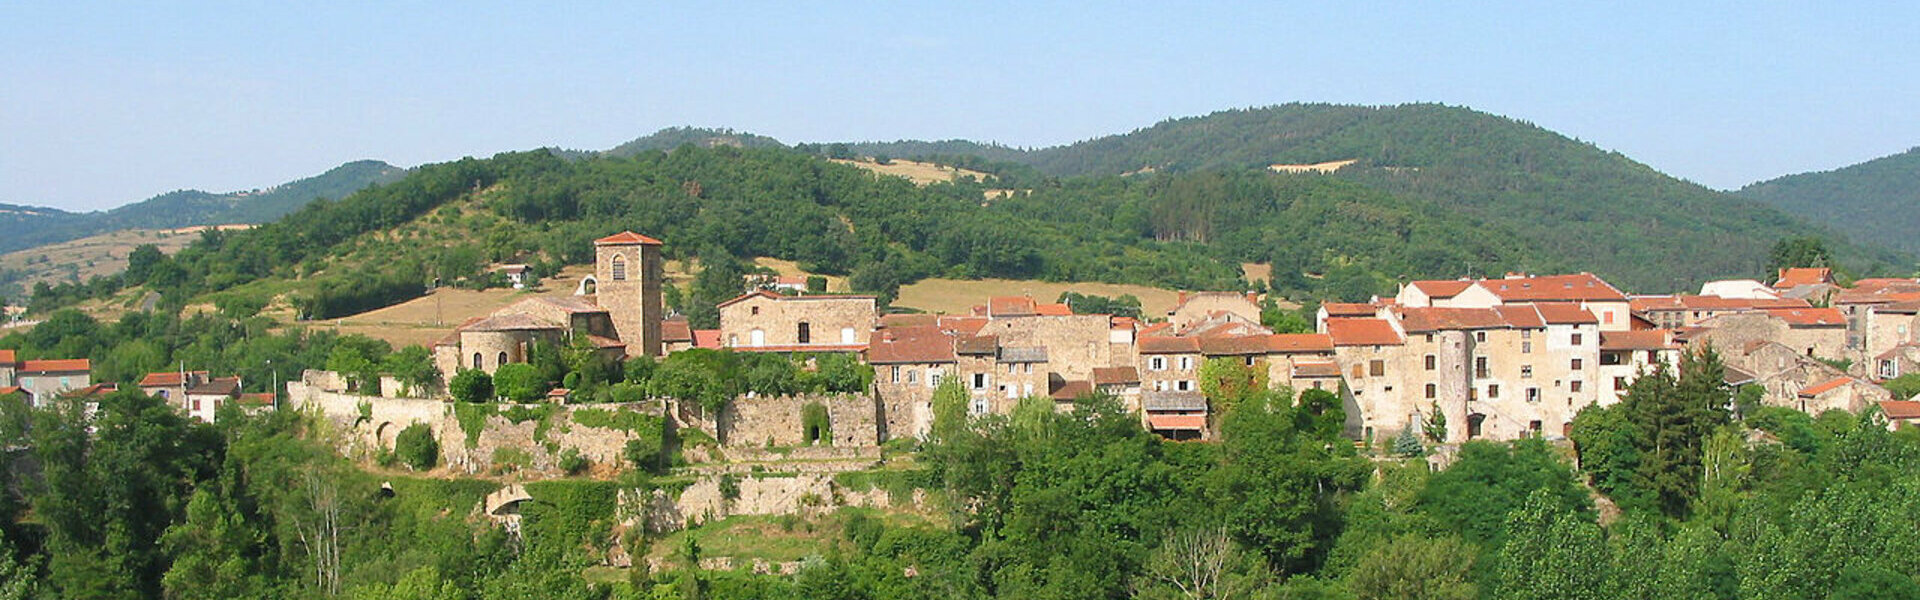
{"x":1283,"y":343}
{"x":909,"y":320}
{"x":170,"y":378}
{"x":511,"y":322}
{"x":1441,"y":288}
{"x":1522,"y":316}
{"x":11,"y":389}
{"x":804,"y":348}
{"x":1177,"y":422}
{"x":984,"y":344}
{"x":964,"y":326}
{"x":1054,"y":310}
{"x":924,"y":344}
{"x":68,"y":365}
{"x":218,"y":386}
{"x":626,"y":238}
{"x":7,"y":358}
{"x":676,"y":330}
{"x":1648,"y":339}
{"x":1115,"y":375}
{"x":259,"y":399}
{"x":1124,"y":323}
{"x":706,"y":338}
{"x":607,"y":342}
{"x":1827,"y":386}
{"x":1169,"y":345}
{"x":1810,"y":317}
{"x":1160,"y":328}
{"x":1233,"y":345}
{"x":1349,"y":309}
{"x":1565,"y":313}
{"x":91,"y":391}
{"x":1438,"y":319}
{"x":1362,"y":332}
{"x":1315,"y":370}
{"x":1071,"y":390}
{"x":1580,"y":286}
{"x":1900,"y":409}
{"x":1011,"y":306}
{"x":1792,"y":278}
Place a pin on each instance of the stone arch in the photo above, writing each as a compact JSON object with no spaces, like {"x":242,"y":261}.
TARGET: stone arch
{"x":589,"y":286}
{"x":386,"y":434}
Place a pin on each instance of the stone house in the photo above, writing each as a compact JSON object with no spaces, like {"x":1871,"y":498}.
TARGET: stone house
{"x":1840,"y":393}
{"x":204,"y":399}
{"x":765,"y":321}
{"x":1896,"y":362}
{"x":1625,"y":355}
{"x":1815,"y":285}
{"x":1609,"y":306}
{"x":1119,"y":382}
{"x":1372,"y":358}
{"x":1900,"y":414}
{"x":1170,"y":364}
{"x":172,"y":387}
{"x":1781,"y":372}
{"x":1812,"y":332}
{"x":43,"y":380}
{"x":1197,"y":306}
{"x":1884,"y":326}
{"x":1681,"y":311}
{"x":909,"y":363}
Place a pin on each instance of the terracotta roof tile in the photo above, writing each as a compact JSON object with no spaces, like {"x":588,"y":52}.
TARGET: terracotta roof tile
{"x":218,"y":386}
{"x":706,"y":338}
{"x":511,"y":322}
{"x":1440,"y":319}
{"x":170,"y":378}
{"x":1071,"y":390}
{"x":804,"y":348}
{"x":65,"y":365}
{"x":1177,"y":422}
{"x":964,"y":326}
{"x":1522,"y":316}
{"x":1315,"y":370}
{"x":7,"y":357}
{"x":1579,"y":286}
{"x":676,"y":330}
{"x":1362,"y":332}
{"x":1011,"y":306}
{"x":1565,"y":313}
{"x":916,"y":345}
{"x":1796,"y":277}
{"x":976,"y":345}
{"x":1053,"y":310}
{"x":1647,"y":339}
{"x":259,"y":399}
{"x":1900,"y":409}
{"x":1441,"y":288}
{"x":625,"y":238}
{"x":1350,"y":309}
{"x":909,"y":320}
{"x":1824,"y":387}
{"x":1286,"y":343}
{"x":1115,"y":375}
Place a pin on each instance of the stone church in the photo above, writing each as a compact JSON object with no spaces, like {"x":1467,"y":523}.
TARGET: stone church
{"x":617,"y":308}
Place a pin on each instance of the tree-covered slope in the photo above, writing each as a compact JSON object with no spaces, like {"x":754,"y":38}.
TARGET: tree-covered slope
{"x":1875,"y":203}
{"x":27,"y":227}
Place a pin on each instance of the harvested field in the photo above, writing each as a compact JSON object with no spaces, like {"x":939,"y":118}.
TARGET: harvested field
{"x":918,"y":172}
{"x":85,"y":258}
{"x":954,"y":296}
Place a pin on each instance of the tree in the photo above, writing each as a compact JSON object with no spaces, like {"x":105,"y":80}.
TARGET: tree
{"x":214,"y":551}
{"x":1797,"y":252}
{"x":1200,"y":563}
{"x":140,"y":263}
{"x":17,"y":578}
{"x":1226,"y":380}
{"x":413,"y":366}
{"x":518,"y":382}
{"x":416,"y":447}
{"x":1551,"y":553}
{"x":471,"y":385}
{"x":1414,"y":567}
{"x":1436,"y":426}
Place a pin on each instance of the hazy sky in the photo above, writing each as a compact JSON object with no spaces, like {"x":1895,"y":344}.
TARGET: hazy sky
{"x":105,"y":104}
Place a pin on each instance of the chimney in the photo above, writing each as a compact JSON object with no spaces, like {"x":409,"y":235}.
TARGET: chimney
{"x":1183,"y":299}
{"x":1253,"y":297}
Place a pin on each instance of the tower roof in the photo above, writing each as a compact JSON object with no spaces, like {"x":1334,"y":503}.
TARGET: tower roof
{"x":625,"y":238}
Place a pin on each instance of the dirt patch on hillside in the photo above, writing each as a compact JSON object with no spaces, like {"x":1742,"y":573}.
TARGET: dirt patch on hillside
{"x":955,"y":296}
{"x":919,"y":173}
{"x":77,"y":261}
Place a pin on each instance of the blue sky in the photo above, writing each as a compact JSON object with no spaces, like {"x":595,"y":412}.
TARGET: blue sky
{"x":104,"y":104}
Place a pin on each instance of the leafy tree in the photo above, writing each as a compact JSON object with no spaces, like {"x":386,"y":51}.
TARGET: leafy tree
{"x":1436,"y":426}
{"x":214,"y":551}
{"x":1490,"y":480}
{"x":471,"y":385}
{"x":416,"y":447}
{"x":1796,"y":252}
{"x":1552,"y":553}
{"x":1904,"y":387}
{"x":1416,"y":567}
{"x":1282,"y":476}
{"x":413,"y":366}
{"x":17,"y":577}
{"x":519,"y":382}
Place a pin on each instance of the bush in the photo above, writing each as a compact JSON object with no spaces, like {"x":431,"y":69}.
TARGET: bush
{"x":519,"y":382}
{"x":729,"y":487}
{"x":815,"y":425}
{"x":644,"y":452}
{"x":471,"y":385}
{"x":572,"y":462}
{"x":416,"y":447}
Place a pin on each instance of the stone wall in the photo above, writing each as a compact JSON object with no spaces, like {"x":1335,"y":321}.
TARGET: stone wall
{"x":759,"y":494}
{"x":1075,"y":344}
{"x":779,"y":318}
{"x":776,"y":421}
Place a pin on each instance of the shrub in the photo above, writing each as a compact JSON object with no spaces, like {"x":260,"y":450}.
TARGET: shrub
{"x":416,"y":447}
{"x":730,"y":487}
{"x":644,"y":453}
{"x":814,"y":424}
{"x":471,"y":385}
{"x":572,"y":462}
{"x":519,"y":382}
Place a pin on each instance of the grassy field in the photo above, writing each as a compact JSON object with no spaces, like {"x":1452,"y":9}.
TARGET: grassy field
{"x":85,"y":258}
{"x":426,"y":319}
{"x":918,"y":172}
{"x":954,"y":296}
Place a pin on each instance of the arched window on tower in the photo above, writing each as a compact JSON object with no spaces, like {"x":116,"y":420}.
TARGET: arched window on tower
{"x":476,"y":360}
{"x":619,"y":268}
{"x":502,"y":361}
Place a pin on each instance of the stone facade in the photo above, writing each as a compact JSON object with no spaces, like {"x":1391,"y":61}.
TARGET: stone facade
{"x":1199,"y":306}
{"x":1733,"y":332}
{"x":768,"y":320}
{"x":627,"y":280}
{"x":853,"y":420}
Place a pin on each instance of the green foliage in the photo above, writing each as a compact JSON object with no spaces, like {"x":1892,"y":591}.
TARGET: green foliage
{"x":471,"y":385}
{"x":358,"y":358}
{"x":1408,"y":445}
{"x":729,"y":485}
{"x":1490,"y":480}
{"x":473,"y":419}
{"x":1416,"y":567}
{"x":1795,"y":252}
{"x":1646,"y":451}
{"x":572,"y":462}
{"x":1227,"y":380}
{"x":646,"y":453}
{"x":1883,"y":187}
{"x":1125,"y":305}
{"x":1550,"y":553}
{"x":519,"y":382}
{"x":814,"y":424}
{"x":1436,"y":426}
{"x":416,"y":447}
{"x":413,"y":366}
{"x":619,"y":419}
{"x":1904,"y":387}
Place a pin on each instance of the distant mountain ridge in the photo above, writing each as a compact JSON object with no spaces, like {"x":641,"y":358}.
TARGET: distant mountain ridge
{"x":1875,"y":202}
{"x":29,"y":226}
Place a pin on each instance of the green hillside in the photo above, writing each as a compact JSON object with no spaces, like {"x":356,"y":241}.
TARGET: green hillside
{"x":26,"y":227}
{"x":1874,"y":203}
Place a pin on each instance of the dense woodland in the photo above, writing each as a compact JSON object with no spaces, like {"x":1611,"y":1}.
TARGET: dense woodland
{"x":1680,"y":497}
{"x":1871,"y":202}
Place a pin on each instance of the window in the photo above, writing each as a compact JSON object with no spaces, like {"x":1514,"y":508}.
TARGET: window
{"x":1619,"y":383}
{"x":1573,"y":386}
{"x":1432,"y":391}
{"x":1157,"y":363}
{"x":1533,"y":427}
{"x":1526,"y":347}
{"x":753,"y":310}
{"x":913,"y":376}
{"x":757,"y":338}
{"x":476,"y":360}
{"x":1480,"y":367}
{"x":896,"y":373}
{"x":1026,"y":368}
{"x":1186,"y":362}
{"x":1026,"y":389}
{"x":980,"y":406}
{"x":805,"y":333}
{"x":619,"y":268}
{"x":1493,"y":391}
{"x":1526,"y":371}
{"x":1577,"y":363}
{"x":1576,"y":339}
{"x":1430,"y":362}
{"x":1249,"y":360}
{"x":1480,"y":336}
{"x":503,"y":359}
{"x":196,"y":404}
{"x":1359,"y":372}
{"x":933,"y":378}
{"x":1377,"y":367}
{"x":1183,"y":385}
{"x":1526,"y":334}
{"x":1429,"y":338}
{"x":1606,"y":317}
{"x":979,"y":381}
{"x":1533,"y":394}
{"x":846,"y":335}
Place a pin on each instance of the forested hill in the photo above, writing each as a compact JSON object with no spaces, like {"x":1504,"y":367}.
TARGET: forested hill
{"x":26,"y":227}
{"x":1874,"y":203}
{"x":1571,"y":204}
